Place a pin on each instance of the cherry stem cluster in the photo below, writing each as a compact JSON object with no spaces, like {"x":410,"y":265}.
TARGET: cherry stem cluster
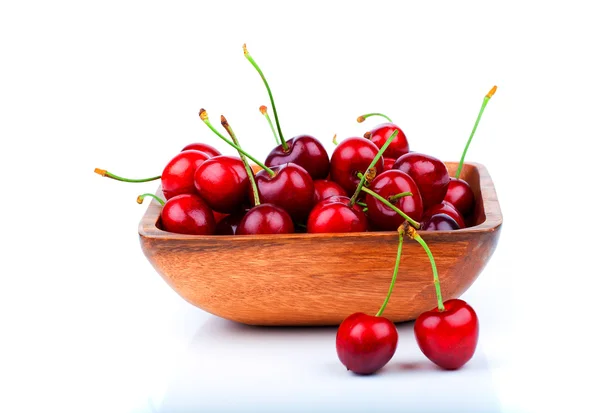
{"x":107,"y":174}
{"x":204,"y":117}
{"x":229,"y":130}
{"x":253,"y":63}
{"x":486,"y":99}
{"x":371,"y":166}
{"x":401,"y":231}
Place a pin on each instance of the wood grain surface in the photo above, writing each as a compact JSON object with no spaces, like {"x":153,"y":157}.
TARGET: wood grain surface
{"x":319,"y":279}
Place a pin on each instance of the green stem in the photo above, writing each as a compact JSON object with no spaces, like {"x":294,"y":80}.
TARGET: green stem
{"x":362,"y":204}
{"x":392,"y":206}
{"x":334,"y":140}
{"x":373,"y":163}
{"x":244,"y":160}
{"x":253,"y":63}
{"x":395,"y":275}
{"x":486,"y":99}
{"x":204,"y":117}
{"x":107,"y":174}
{"x":399,"y":195}
{"x":362,"y":118}
{"x":263,"y":110}
{"x":438,"y":291}
{"x":140,"y":199}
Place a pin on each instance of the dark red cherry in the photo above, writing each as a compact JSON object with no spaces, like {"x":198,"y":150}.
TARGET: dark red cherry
{"x":202,"y":147}
{"x":229,"y":224}
{"x":187,"y":214}
{"x":325,"y":189}
{"x":429,"y":173}
{"x":388,"y":163}
{"x":178,"y":176}
{"x":351,"y":156}
{"x":461,"y":196}
{"x":305,"y":151}
{"x":387,"y":184}
{"x":291,"y":188}
{"x":381,"y":133}
{"x":334,"y":215}
{"x":223,"y":183}
{"x":366,"y":343}
{"x":445,"y":208}
{"x":439,"y":222}
{"x":265,"y":219}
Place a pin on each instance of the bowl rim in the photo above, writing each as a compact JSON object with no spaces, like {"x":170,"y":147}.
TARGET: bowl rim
{"x":147,"y":227}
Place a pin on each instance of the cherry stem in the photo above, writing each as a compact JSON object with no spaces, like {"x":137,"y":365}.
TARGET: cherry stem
{"x":204,"y":117}
{"x":392,"y":206}
{"x":436,"y":281}
{"x":244,"y":160}
{"x":362,"y":118}
{"x":399,"y":195}
{"x":140,"y":199}
{"x":107,"y":174}
{"x":372,"y":165}
{"x":253,"y":63}
{"x":334,"y":140}
{"x":486,"y":99}
{"x":395,"y":275}
{"x":362,"y":204}
{"x":263,"y":110}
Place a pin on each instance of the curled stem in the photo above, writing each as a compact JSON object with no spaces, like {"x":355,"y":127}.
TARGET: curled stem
{"x":107,"y":174}
{"x":362,"y":118}
{"x":412,"y":233}
{"x":392,"y":206}
{"x":140,"y":199}
{"x":395,"y":275}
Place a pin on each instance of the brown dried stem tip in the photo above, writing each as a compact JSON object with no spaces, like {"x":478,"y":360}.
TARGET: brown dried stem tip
{"x":491,"y":92}
{"x":360,"y":119}
{"x":224,"y":123}
{"x":370,"y":174}
{"x":367,"y":135}
{"x":409,"y":230}
{"x":203,"y":115}
{"x":263,"y":109}
{"x":99,"y":171}
{"x":245,"y":50}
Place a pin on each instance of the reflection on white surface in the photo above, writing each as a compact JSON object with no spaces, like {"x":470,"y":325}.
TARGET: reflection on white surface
{"x":233,"y":367}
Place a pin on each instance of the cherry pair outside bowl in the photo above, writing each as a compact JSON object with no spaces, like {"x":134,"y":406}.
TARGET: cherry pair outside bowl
{"x":319,"y":279}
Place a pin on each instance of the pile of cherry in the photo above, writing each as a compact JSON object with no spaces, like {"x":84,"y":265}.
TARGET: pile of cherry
{"x":370,"y":183}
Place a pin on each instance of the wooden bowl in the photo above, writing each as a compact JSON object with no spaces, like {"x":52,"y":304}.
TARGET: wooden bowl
{"x":319,"y":279}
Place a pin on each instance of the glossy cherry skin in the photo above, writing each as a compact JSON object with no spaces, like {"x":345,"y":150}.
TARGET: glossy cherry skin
{"x":439,"y":222}
{"x":325,"y":189}
{"x":380,"y":134}
{"x":223,"y":183}
{"x":178,"y":176}
{"x":228,"y":225}
{"x":202,"y":147}
{"x":429,"y":173}
{"x":351,"y":156}
{"x":448,"y":338}
{"x":187,"y":214}
{"x":390,"y":183}
{"x":445,"y":208}
{"x":305,"y":151}
{"x":388,"y":163}
{"x":265,"y":219}
{"x":333,"y":215}
{"x":366,"y":343}
{"x":461,"y":196}
{"x":291,"y":188}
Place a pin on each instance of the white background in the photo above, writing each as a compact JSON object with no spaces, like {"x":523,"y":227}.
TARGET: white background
{"x":87,"y":324}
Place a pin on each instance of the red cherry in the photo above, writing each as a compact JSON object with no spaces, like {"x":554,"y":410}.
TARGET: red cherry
{"x":325,"y":189}
{"x":223,"y":183}
{"x":305,"y":151}
{"x":202,"y":147}
{"x":461,"y":196}
{"x":429,"y":173}
{"x":265,"y":219}
{"x":388,"y":184}
{"x":366,"y":343}
{"x":381,"y":133}
{"x":334,"y":215}
{"x":351,"y":156}
{"x":187,"y":214}
{"x":291,"y":188}
{"x":178,"y":176}
{"x":439,"y":222}
{"x":445,"y":208}
{"x":448,"y":338}
{"x":388,"y":163}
